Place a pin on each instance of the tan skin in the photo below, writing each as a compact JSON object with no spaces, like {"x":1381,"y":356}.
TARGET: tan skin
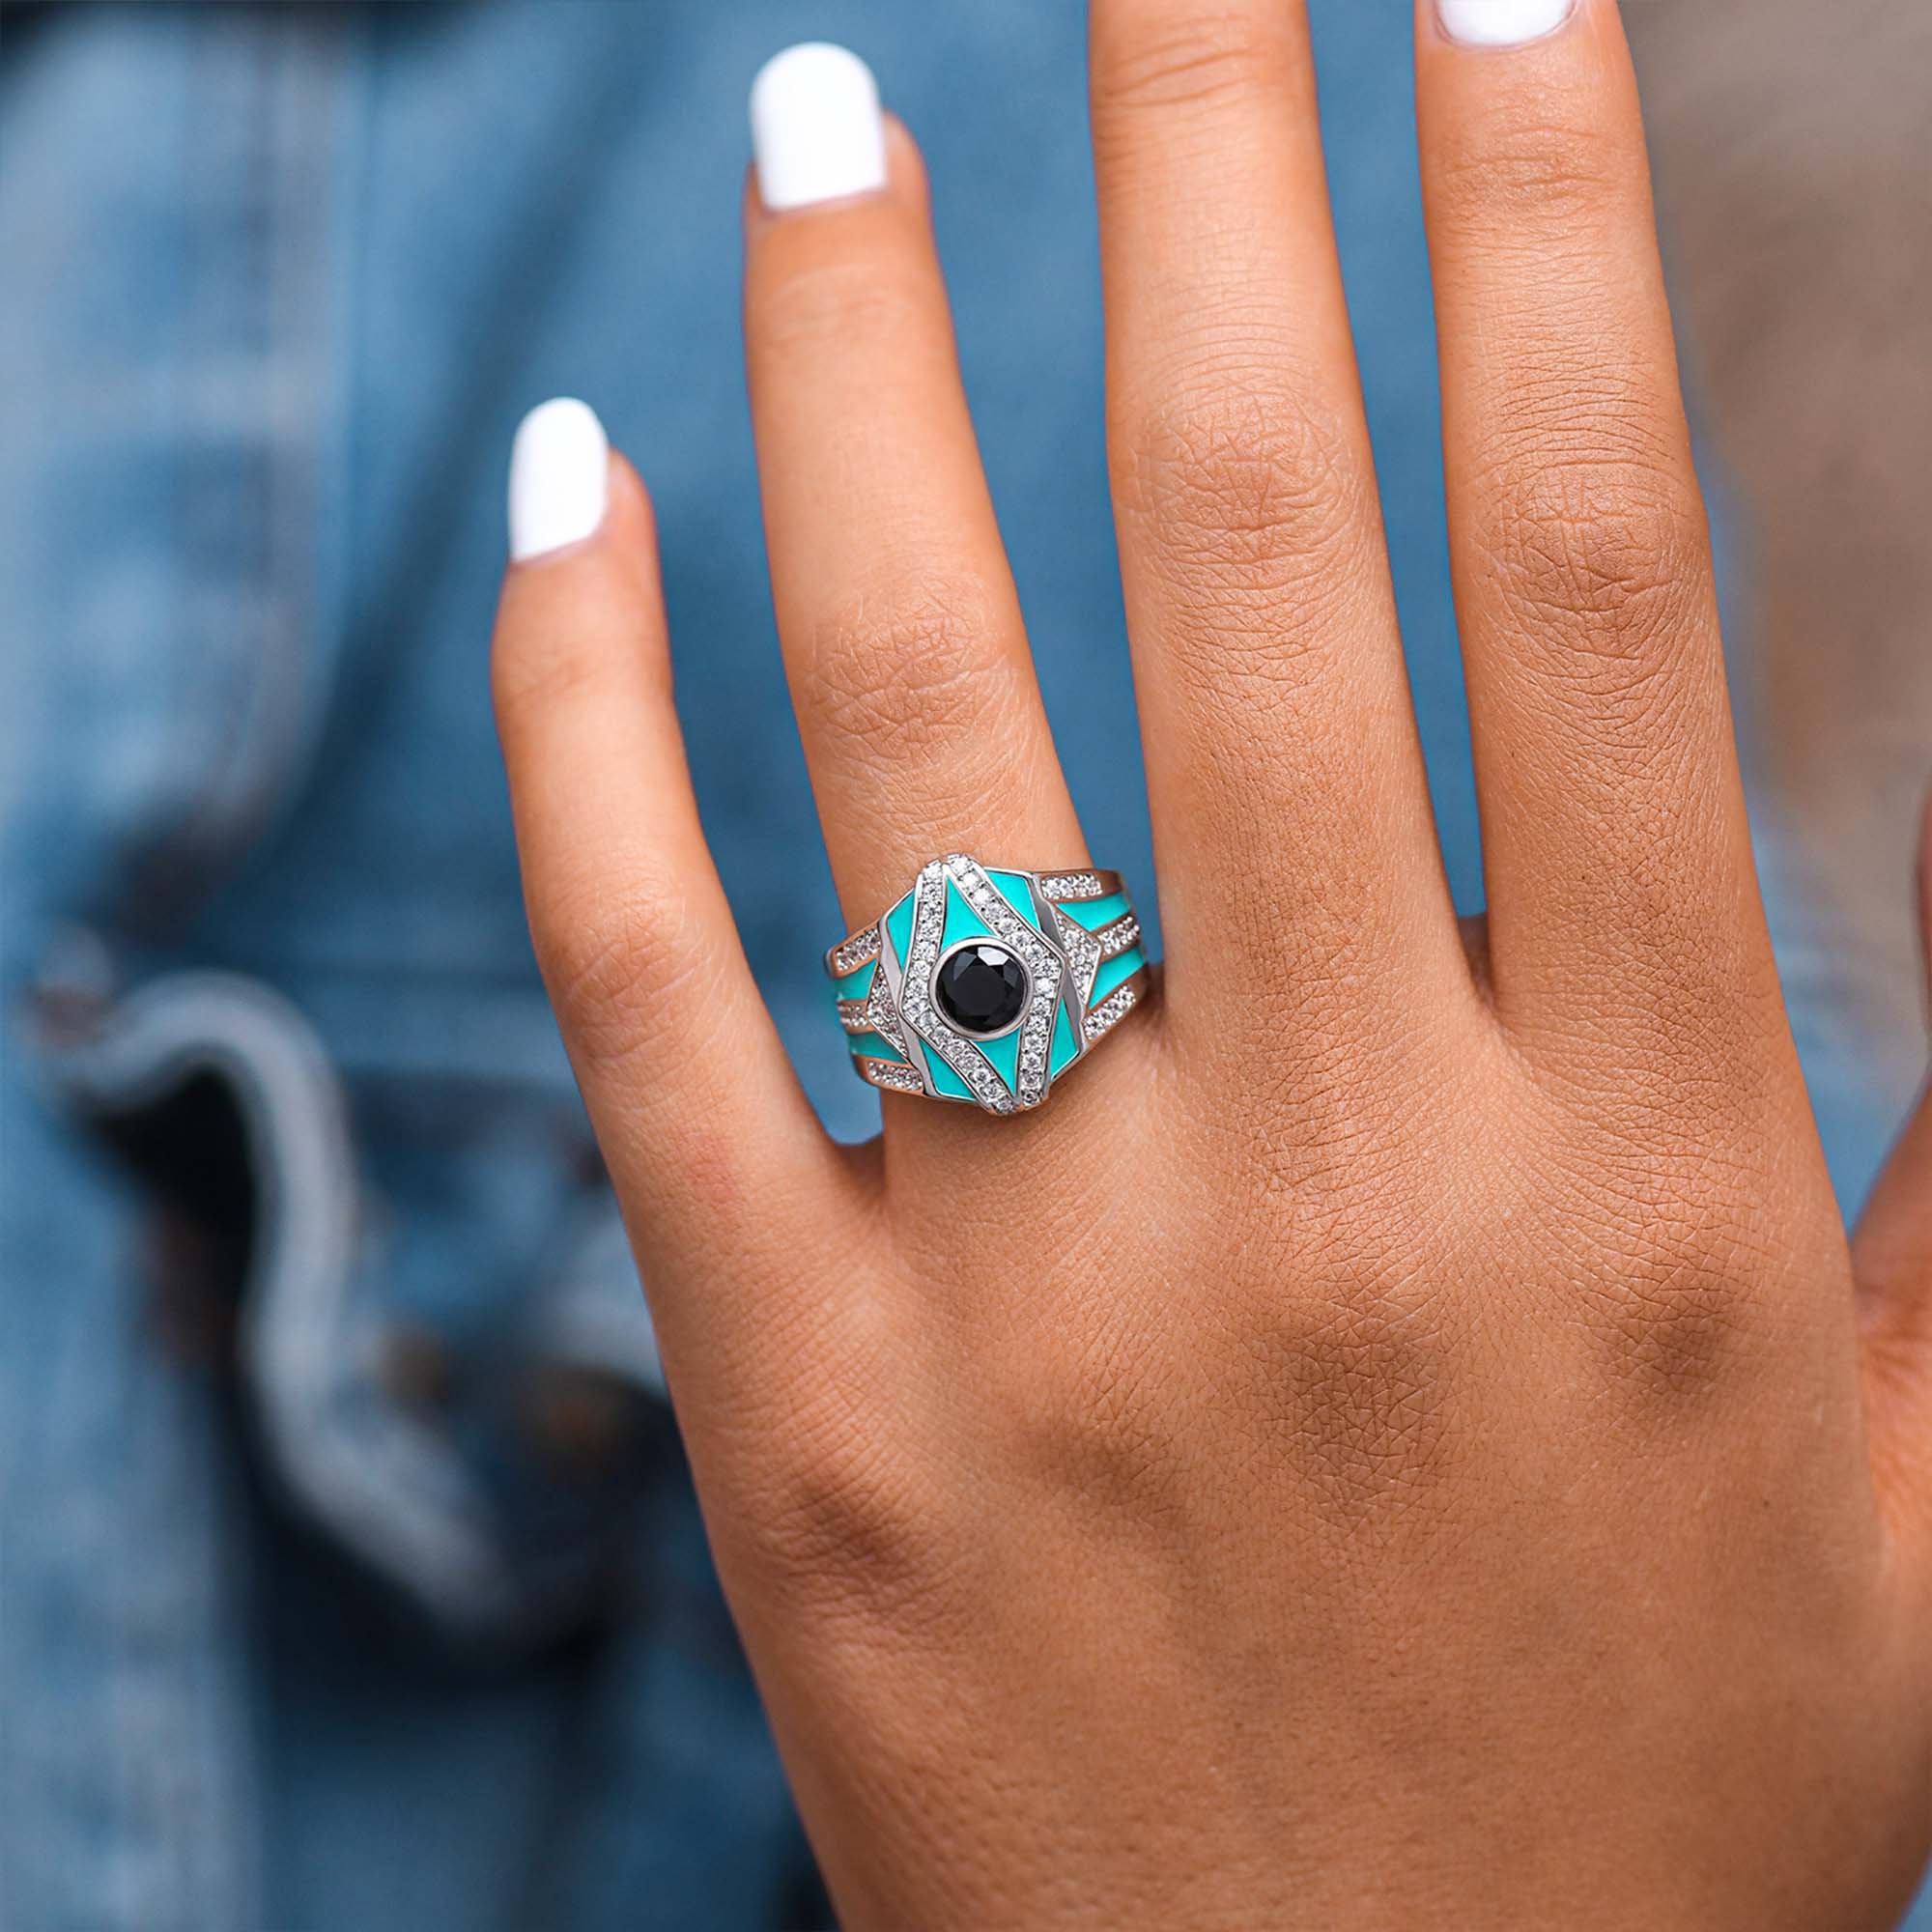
{"x":1401,"y":1438}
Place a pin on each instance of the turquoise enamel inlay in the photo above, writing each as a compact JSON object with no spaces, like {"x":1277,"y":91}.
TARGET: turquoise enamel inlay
{"x":961,"y":921}
{"x":1012,"y":887}
{"x":1065,"y":1045}
{"x":945,"y":1080}
{"x":855,"y":985}
{"x":876,"y":1047}
{"x":898,"y":928}
{"x":1113,"y":970}
{"x":1004,"y":1054}
{"x":1094,"y":914}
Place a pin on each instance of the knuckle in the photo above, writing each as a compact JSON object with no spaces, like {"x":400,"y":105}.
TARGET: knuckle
{"x":1242,"y":489}
{"x":1513,"y":175}
{"x":848,"y":1530}
{"x":617,"y":962}
{"x":914,"y":667}
{"x":1605,"y":555}
{"x":1674,"y":1315}
{"x":1676,"y":1264}
{"x":1103,"y":1415}
{"x":1191,"y":55}
{"x":840,"y":305}
{"x":537,"y":665}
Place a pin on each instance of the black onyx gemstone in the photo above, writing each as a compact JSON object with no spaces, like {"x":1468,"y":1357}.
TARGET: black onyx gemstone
{"x":980,"y":989}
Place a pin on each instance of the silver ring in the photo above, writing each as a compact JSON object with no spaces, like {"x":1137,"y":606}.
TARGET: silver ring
{"x":986,"y":983}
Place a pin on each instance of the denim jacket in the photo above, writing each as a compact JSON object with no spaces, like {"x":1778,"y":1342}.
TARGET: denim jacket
{"x":352,"y":1576}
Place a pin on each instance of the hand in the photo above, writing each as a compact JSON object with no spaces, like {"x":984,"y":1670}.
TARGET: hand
{"x":1401,"y":1438}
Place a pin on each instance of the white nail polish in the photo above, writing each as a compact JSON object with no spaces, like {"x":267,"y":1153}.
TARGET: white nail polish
{"x":559,"y":478}
{"x":1501,"y":23}
{"x":816,"y":130}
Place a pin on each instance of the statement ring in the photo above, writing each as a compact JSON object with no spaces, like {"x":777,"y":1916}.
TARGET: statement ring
{"x":986,"y":985}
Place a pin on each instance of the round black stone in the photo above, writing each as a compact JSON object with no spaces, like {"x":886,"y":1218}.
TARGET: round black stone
{"x":982,"y":988}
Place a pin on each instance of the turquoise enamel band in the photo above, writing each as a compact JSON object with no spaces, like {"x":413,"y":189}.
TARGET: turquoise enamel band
{"x":985,"y":984}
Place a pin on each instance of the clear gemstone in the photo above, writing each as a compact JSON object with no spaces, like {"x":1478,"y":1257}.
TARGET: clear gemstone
{"x":1110,"y":1010}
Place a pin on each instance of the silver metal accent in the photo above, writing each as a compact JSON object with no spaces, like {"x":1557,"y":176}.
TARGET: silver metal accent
{"x":1058,"y":956}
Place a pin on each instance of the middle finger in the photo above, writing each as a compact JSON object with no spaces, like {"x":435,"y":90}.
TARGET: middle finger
{"x":1302,"y":885}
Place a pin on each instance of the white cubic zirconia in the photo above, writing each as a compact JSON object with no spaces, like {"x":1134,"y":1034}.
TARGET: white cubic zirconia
{"x":852,"y":954}
{"x":1112,"y":1009}
{"x":883,"y":1017}
{"x":1082,"y":952}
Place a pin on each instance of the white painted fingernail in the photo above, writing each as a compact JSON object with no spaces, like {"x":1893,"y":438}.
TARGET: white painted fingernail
{"x":1501,"y":23}
{"x":816,"y":130}
{"x":560,"y":478}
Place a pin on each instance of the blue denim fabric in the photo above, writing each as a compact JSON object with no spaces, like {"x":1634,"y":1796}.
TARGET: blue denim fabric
{"x":352,"y":1576}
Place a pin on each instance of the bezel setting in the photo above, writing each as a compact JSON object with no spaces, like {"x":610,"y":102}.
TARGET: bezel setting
{"x":938,"y":999}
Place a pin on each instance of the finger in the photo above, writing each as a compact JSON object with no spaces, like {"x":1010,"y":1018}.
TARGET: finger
{"x":1893,"y":1257}
{"x":914,"y":691}
{"x":1614,"y":841}
{"x":1291,"y":815}
{"x":709,"y":1140}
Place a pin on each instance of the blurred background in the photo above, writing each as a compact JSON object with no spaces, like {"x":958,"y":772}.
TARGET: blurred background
{"x":349,"y":1573}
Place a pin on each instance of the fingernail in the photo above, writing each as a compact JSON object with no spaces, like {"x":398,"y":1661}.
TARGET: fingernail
{"x":816,"y":130}
{"x":1501,"y":23}
{"x":560,"y":478}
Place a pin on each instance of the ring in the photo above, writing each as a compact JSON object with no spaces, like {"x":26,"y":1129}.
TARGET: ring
{"x":985,"y":984}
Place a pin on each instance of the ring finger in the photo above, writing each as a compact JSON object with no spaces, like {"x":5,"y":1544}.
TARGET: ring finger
{"x":1302,"y":897}
{"x":1615,"y":845}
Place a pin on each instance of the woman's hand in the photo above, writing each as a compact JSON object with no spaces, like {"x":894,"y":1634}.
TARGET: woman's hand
{"x":1400,"y":1439}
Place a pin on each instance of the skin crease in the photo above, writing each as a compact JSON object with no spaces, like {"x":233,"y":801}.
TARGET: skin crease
{"x":1401,"y":1438}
